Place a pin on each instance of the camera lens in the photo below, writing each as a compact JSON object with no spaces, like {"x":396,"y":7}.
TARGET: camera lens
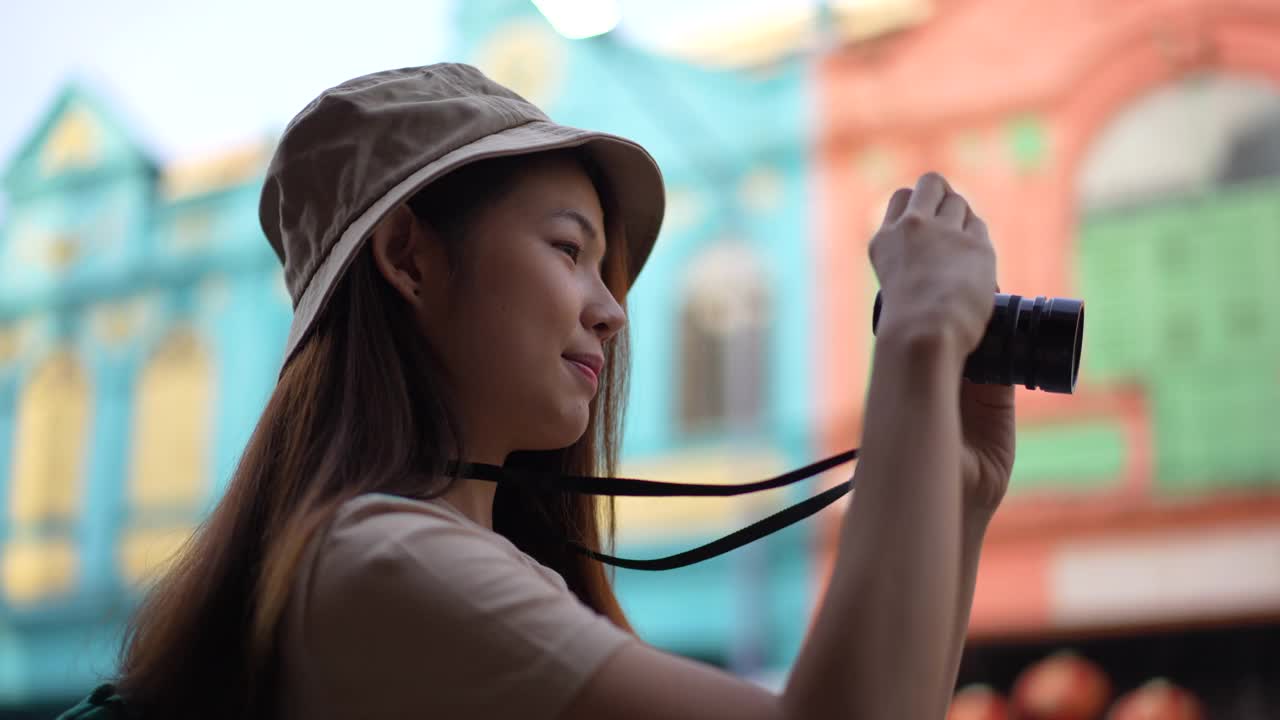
{"x":1032,"y":342}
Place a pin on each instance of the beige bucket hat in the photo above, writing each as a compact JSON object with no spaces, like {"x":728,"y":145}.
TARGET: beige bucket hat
{"x":362,"y":148}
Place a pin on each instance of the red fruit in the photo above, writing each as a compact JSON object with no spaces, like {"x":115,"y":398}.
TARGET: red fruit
{"x":1063,"y":686}
{"x":978,"y":702}
{"x":1158,"y":699}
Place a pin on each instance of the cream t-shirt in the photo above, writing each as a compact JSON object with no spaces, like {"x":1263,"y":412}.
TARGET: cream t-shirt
{"x":409,"y":609}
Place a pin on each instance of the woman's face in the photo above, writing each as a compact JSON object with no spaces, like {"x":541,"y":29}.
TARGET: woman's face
{"x":527,"y":294}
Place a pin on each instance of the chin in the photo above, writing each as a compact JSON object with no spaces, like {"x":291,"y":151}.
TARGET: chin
{"x":559,"y":430}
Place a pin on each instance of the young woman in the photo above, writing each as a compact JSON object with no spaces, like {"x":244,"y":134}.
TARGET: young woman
{"x":459,"y":266}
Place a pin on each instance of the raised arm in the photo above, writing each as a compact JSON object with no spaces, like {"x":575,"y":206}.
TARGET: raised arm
{"x":890,"y":626}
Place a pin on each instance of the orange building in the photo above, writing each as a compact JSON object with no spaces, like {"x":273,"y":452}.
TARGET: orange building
{"x":1127,"y":154}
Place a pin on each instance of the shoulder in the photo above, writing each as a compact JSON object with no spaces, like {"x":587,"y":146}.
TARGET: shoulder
{"x":416,"y":545}
{"x":381,"y":512}
{"x":410,"y":608}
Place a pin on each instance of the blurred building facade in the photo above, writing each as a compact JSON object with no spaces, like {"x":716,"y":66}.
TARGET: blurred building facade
{"x":720,"y":393}
{"x":142,"y":318}
{"x":1123,"y":154}
{"x":1126,"y":155}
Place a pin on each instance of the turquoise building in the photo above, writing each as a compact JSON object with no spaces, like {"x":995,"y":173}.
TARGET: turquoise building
{"x":142,"y":317}
{"x":720,"y":318}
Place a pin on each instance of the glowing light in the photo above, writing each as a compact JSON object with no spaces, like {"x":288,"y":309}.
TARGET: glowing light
{"x":577,"y":19}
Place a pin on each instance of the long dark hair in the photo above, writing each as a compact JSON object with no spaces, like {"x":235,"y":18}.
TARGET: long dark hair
{"x":360,"y":408}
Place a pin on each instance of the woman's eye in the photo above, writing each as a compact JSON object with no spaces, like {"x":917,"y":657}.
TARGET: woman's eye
{"x":573,"y":250}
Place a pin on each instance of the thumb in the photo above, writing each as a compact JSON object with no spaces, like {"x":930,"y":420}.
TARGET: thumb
{"x":986,"y":396}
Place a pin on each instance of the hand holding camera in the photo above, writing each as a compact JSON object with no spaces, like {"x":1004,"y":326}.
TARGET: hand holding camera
{"x":937,"y":270}
{"x":936,"y":266}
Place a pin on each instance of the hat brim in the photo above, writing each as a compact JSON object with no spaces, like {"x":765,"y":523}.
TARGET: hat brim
{"x":635,"y":178}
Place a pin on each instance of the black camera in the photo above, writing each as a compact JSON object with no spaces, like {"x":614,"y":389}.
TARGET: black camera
{"x":1031,"y":342}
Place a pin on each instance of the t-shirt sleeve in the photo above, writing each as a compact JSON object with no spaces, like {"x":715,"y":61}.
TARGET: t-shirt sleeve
{"x":412,"y":616}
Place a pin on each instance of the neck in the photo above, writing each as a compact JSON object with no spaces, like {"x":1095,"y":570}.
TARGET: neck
{"x":473,"y":498}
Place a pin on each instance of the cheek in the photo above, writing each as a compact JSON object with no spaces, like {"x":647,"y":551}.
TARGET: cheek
{"x":534,"y":302}
{"x":503,"y":331}
{"x":503,"y":334}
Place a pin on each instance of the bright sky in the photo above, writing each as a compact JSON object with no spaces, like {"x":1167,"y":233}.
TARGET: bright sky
{"x":193,"y":78}
{"x":196,"y":77}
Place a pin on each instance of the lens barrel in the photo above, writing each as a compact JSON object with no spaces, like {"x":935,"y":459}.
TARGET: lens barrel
{"x":1032,"y":342}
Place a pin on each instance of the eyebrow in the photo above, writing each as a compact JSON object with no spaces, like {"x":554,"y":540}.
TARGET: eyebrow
{"x":578,"y":218}
{"x":583,"y":222}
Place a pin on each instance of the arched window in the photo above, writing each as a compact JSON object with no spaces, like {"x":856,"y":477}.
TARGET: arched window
{"x":48,"y":468}
{"x":169,"y":468}
{"x":1186,"y":138}
{"x":724,"y":340}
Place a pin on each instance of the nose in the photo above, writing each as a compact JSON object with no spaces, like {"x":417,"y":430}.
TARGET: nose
{"x":603,"y":314}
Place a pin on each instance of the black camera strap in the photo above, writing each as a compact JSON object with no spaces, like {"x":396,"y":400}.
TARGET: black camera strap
{"x":629,"y":487}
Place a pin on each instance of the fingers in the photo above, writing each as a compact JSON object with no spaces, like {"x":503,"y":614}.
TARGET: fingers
{"x":973,"y":223}
{"x":897,"y":205}
{"x":931,"y":197}
{"x":987,"y":396}
{"x":953,"y":211}
{"x":930,"y":191}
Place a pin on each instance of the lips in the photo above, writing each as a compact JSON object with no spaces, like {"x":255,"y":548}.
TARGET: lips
{"x":589,"y":365}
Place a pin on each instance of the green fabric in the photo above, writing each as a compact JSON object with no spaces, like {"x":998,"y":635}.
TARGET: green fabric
{"x":101,"y":704}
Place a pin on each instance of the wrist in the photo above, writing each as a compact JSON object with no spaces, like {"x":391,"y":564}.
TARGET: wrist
{"x":977,"y":517}
{"x":918,"y":341}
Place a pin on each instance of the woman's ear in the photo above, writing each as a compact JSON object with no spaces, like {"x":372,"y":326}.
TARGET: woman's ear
{"x":400,"y":252}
